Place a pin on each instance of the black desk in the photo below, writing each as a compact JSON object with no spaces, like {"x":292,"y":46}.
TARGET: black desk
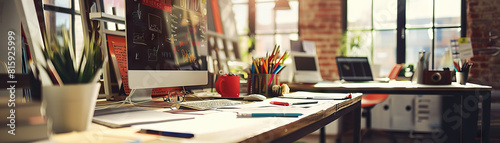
{"x":459,"y":107}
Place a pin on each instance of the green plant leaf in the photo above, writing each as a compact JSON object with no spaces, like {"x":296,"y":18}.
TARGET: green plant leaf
{"x":63,"y":57}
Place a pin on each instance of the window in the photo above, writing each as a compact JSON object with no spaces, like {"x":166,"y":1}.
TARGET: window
{"x":271,"y":26}
{"x":373,"y":27}
{"x":59,"y":13}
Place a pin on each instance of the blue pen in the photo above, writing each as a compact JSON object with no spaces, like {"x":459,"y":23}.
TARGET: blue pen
{"x":277,"y":69}
{"x":269,"y":114}
{"x":172,"y":134}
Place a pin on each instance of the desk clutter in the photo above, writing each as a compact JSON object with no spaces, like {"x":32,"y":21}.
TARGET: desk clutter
{"x":265,"y":72}
{"x":185,"y":123}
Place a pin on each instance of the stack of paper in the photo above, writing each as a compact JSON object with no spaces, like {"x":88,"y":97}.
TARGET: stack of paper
{"x":123,"y":117}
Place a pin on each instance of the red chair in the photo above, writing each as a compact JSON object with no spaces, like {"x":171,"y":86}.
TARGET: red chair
{"x":368,"y":101}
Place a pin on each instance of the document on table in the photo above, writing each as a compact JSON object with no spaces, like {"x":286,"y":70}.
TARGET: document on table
{"x":318,"y":95}
{"x":124,"y":117}
{"x":213,"y":123}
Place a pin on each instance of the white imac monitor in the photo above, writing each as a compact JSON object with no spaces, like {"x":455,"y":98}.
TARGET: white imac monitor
{"x":305,"y":68}
{"x":166,"y":45}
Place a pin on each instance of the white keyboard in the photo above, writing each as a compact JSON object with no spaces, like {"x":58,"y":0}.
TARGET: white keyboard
{"x":209,"y":104}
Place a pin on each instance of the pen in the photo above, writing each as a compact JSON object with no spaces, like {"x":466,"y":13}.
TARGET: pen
{"x":297,"y":103}
{"x":308,"y":102}
{"x":172,"y":134}
{"x":269,"y":114}
{"x":279,"y":103}
{"x":318,"y":98}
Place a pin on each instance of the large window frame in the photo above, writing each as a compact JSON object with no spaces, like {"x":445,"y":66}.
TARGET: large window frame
{"x":52,"y":6}
{"x":402,"y":29}
{"x":251,"y":33}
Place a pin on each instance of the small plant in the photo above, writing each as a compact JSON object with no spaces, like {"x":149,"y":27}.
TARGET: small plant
{"x":62,"y":61}
{"x":349,"y":43}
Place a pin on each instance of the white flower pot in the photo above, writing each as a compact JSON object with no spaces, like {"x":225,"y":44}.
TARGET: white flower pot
{"x":69,"y":107}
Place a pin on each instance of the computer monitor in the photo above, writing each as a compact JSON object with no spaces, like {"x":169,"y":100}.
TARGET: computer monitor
{"x":354,"y":69}
{"x":305,"y":68}
{"x":166,"y":45}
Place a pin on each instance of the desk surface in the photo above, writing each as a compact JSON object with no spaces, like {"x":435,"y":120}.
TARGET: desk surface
{"x":393,"y":87}
{"x":232,"y":129}
{"x":461,"y":96}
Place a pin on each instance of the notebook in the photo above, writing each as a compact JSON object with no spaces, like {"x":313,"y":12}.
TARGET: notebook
{"x":305,"y":68}
{"x":354,"y":69}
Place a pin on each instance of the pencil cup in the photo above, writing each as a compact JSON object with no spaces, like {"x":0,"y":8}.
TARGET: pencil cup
{"x":461,"y":77}
{"x":262,"y":84}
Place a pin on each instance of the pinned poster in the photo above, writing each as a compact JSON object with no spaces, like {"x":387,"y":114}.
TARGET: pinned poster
{"x":465,"y":48}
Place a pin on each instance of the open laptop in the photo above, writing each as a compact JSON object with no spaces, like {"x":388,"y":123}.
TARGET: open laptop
{"x":305,"y":68}
{"x":354,"y":69}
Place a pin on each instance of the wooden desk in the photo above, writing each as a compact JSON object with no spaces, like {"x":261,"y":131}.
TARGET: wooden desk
{"x":459,"y":108}
{"x":269,"y":129}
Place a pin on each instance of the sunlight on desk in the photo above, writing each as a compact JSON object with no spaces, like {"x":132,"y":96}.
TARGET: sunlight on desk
{"x":225,"y":126}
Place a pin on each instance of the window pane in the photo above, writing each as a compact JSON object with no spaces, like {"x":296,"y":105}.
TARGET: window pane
{"x":78,"y":36}
{"x":283,"y":40}
{"x":359,"y":14}
{"x":243,"y":44}
{"x":264,"y":18}
{"x":442,"y":44}
{"x":77,"y":5}
{"x":55,"y":20}
{"x":384,"y":51}
{"x":418,"y":13}
{"x":447,"y":12}
{"x":417,"y":40}
{"x":288,"y":20}
{"x":263,"y":44}
{"x":359,"y":43}
{"x":60,"y":3}
{"x":119,"y":5}
{"x":385,"y":14}
{"x":241,"y":18}
{"x":240,"y":1}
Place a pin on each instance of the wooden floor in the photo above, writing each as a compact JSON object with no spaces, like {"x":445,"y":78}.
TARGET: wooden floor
{"x":406,"y":137}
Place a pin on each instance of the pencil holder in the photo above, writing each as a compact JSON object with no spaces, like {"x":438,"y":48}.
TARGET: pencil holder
{"x":461,"y":77}
{"x":263,"y":83}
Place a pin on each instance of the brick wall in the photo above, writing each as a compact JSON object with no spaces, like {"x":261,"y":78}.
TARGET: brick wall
{"x":483,"y":16}
{"x":320,"y":21}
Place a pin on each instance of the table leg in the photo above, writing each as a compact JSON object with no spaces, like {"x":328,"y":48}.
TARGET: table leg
{"x":485,"y":121}
{"x":469,"y":114}
{"x":450,"y":120}
{"x":322,"y":135}
{"x":357,"y":125}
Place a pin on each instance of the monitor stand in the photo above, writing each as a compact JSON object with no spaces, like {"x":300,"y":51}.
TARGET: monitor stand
{"x":137,"y":95}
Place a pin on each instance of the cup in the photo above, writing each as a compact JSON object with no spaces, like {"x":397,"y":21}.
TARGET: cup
{"x":461,"y":77}
{"x":228,"y":86}
{"x":263,"y":84}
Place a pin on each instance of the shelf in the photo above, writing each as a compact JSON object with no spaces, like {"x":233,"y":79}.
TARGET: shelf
{"x":106,"y":17}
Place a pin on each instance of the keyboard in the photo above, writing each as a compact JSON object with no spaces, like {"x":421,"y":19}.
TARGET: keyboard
{"x":209,"y":104}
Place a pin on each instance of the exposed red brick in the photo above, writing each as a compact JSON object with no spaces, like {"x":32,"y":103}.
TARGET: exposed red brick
{"x":478,"y":59}
{"x":321,"y":22}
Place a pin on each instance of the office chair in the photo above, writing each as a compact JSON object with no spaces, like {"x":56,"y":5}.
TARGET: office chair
{"x":367,"y":103}
{"x":370,"y":100}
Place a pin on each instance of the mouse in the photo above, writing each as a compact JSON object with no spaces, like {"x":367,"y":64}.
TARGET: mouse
{"x":255,"y":97}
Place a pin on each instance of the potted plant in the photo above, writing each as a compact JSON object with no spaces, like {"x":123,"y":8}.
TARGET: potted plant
{"x":69,"y":103}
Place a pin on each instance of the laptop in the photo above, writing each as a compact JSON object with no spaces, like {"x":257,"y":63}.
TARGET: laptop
{"x":305,"y":68}
{"x":354,"y":69}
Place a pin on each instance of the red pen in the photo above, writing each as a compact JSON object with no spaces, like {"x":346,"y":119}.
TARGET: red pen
{"x":279,"y":103}
{"x":348,"y":96}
